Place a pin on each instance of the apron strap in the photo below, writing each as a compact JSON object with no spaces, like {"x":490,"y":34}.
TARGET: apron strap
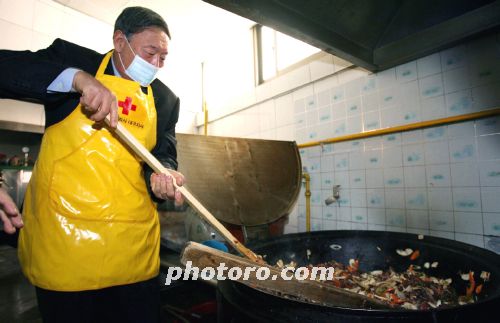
{"x":104,"y":63}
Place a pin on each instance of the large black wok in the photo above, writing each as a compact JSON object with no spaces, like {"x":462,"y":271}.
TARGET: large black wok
{"x":375,"y":250}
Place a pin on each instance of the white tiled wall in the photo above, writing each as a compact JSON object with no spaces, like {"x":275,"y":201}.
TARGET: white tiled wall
{"x":443,"y":181}
{"x":34,"y":24}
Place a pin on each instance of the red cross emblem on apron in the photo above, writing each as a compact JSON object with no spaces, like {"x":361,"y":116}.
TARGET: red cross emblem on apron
{"x":127,"y":105}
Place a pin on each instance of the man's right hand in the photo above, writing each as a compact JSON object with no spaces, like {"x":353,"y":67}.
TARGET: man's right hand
{"x":9,"y":214}
{"x":97,"y":99}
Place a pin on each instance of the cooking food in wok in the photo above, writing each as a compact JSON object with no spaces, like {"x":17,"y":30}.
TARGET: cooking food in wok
{"x":450,"y":262}
{"x":412,"y":289}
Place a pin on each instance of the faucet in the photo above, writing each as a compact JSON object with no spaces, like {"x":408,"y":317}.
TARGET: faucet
{"x":335,"y":196}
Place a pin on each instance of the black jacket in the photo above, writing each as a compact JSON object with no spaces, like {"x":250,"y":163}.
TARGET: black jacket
{"x":25,"y":75}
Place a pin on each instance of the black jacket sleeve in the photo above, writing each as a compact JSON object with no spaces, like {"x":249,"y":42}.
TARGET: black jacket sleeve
{"x":26,"y":75}
{"x":167,"y":108}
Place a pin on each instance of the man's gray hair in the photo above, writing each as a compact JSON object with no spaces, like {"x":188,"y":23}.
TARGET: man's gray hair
{"x":133,"y":20}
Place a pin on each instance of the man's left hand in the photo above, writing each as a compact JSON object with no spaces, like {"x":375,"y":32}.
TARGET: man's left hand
{"x":163,"y":187}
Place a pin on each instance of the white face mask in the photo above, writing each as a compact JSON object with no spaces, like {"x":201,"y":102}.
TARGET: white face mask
{"x":140,"y":70}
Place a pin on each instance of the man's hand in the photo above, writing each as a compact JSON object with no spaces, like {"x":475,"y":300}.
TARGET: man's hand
{"x":163,"y":187}
{"x":9,"y":214}
{"x":97,"y":99}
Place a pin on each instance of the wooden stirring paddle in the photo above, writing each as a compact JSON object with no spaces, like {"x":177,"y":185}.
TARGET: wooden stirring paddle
{"x":157,"y":167}
{"x":306,"y":291}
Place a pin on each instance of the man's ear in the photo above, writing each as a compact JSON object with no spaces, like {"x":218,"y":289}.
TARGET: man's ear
{"x":119,"y":40}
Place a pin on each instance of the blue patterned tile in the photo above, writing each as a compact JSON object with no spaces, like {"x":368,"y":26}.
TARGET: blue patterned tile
{"x":431,"y":86}
{"x":459,"y":103}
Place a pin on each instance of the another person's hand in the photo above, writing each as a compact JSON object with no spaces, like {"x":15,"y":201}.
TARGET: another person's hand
{"x":163,"y":187}
{"x":9,"y":214}
{"x":97,"y":99}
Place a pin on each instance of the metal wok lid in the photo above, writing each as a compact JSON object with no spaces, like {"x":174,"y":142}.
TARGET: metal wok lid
{"x":241,"y":181}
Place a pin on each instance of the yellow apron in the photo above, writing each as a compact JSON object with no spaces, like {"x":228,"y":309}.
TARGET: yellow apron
{"x":89,"y":222}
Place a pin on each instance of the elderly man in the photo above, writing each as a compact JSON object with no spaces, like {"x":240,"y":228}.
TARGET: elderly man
{"x":90,"y":242}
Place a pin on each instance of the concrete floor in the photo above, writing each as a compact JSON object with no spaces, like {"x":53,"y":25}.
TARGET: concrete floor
{"x":17,"y":295}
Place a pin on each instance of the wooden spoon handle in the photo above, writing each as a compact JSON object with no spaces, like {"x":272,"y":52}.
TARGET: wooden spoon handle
{"x":157,"y":167}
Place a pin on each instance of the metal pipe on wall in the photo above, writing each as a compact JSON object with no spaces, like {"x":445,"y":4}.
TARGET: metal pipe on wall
{"x":203,"y":100}
{"x":412,"y":126}
{"x":307,"y":179}
{"x":205,"y":116}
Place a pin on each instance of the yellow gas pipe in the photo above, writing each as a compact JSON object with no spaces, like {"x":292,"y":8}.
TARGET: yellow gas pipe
{"x":307,"y":179}
{"x":203,"y":100}
{"x":205,"y":122}
{"x":412,"y":126}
